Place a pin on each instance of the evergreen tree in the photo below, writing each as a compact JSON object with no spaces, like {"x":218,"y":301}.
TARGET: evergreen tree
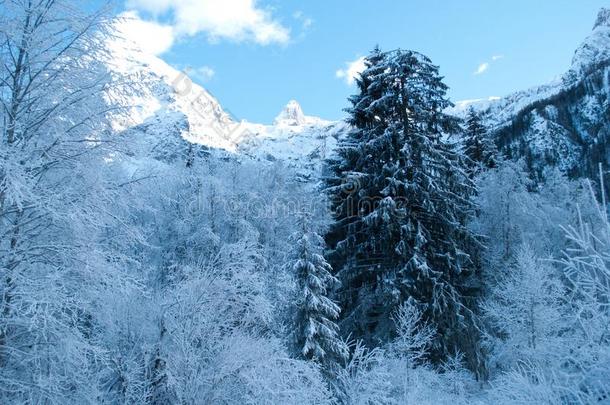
{"x":400,"y":198}
{"x":317,"y":334}
{"x":480,"y":150}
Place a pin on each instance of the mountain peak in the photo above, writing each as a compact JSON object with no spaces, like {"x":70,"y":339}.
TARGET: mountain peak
{"x":595,"y":50}
{"x":603,"y":18}
{"x":164,"y":98}
{"x":292,"y":114}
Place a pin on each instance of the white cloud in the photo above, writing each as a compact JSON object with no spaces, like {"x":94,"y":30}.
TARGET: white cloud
{"x":235,"y":20}
{"x":351,"y":71}
{"x":306,"y":22}
{"x":203,"y":73}
{"x":483,"y":67}
{"x":153,"y":6}
{"x":152,"y":37}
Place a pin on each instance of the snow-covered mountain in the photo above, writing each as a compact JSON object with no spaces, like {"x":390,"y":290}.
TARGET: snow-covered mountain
{"x":165,"y":102}
{"x":301,"y":142}
{"x":292,"y":115}
{"x":565,"y":123}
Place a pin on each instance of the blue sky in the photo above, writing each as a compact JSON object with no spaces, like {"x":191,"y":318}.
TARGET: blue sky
{"x":255,"y":56}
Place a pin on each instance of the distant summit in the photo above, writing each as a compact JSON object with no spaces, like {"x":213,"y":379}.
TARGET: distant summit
{"x":595,"y":49}
{"x":603,"y":18}
{"x":291,"y":115}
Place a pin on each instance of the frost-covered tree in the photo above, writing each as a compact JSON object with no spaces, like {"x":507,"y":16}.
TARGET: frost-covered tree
{"x":414,"y":336}
{"x":410,"y":348}
{"x":218,"y":346}
{"x":512,"y":210}
{"x":400,"y":199}
{"x":525,"y":312}
{"x":505,"y":210}
{"x":548,"y":318}
{"x":586,"y":265}
{"x":527,"y":384}
{"x":365,"y":378}
{"x":317,"y":334}
{"x":60,"y":214}
{"x":399,"y":373}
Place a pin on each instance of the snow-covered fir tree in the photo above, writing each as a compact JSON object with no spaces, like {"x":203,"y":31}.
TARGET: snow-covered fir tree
{"x":317,"y":334}
{"x":478,"y":147}
{"x":400,"y":200}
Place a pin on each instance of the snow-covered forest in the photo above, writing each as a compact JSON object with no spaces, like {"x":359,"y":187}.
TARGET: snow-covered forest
{"x":413,"y":255}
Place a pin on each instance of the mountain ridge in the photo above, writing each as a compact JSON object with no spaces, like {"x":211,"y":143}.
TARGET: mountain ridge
{"x":562,"y":123}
